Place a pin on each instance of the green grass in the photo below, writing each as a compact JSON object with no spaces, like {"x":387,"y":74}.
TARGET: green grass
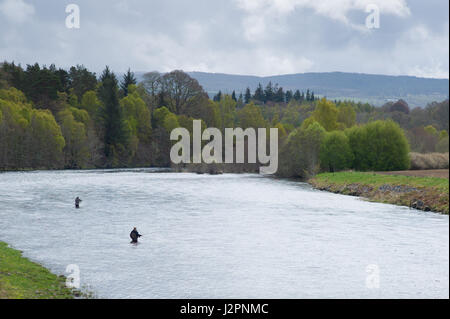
{"x":22,"y":279}
{"x":376,"y":180}
{"x":433,"y":192}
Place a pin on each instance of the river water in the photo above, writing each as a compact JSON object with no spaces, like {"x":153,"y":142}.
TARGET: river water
{"x":228,"y":236}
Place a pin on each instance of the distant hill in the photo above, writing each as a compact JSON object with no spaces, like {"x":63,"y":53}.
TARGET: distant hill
{"x":376,"y":89}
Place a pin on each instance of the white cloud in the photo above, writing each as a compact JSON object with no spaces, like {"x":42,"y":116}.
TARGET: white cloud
{"x":254,"y":27}
{"x":123,"y":6}
{"x":263,"y":11}
{"x":425,"y":53}
{"x":335,"y":9}
{"x":161,"y":52}
{"x":214,"y":38}
{"x":17,"y":11}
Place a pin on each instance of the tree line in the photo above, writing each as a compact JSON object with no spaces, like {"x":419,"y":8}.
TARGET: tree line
{"x":270,"y":94}
{"x":53,"y":118}
{"x":330,"y":140}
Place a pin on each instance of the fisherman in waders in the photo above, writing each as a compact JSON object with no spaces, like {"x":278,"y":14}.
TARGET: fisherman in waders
{"x":77,"y":202}
{"x":134,"y":235}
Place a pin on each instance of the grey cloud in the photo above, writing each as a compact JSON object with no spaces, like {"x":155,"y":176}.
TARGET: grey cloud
{"x":220,"y":36}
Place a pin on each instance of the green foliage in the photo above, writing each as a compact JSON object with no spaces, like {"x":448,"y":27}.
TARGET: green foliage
{"x":250,"y":116}
{"x":346,"y":115}
{"x":90,"y":102}
{"x":379,"y":146}
{"x":76,"y":152}
{"x":159,"y":115}
{"x":48,"y":139}
{"x":247,"y":96}
{"x":430,"y":129}
{"x":259,"y":93}
{"x":116,"y":130}
{"x":206,"y":110}
{"x":170,"y":122}
{"x":282,"y":134}
{"x":291,"y":114}
{"x":138,"y":115}
{"x":335,"y":152}
{"x":80,"y":115}
{"x":163,"y":118}
{"x":308,"y":122}
{"x":326,"y":114}
{"x":72,"y":99}
{"x":227,"y":112}
{"x":134,"y":130}
{"x":42,"y":85}
{"x":300,"y":154}
{"x":443,"y":134}
{"x":29,"y":138}
{"x":128,"y":79}
{"x":82,"y":80}
{"x":13,"y":95}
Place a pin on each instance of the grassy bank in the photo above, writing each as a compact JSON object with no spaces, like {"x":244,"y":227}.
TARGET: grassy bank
{"x":424,"y":193}
{"x":22,"y":279}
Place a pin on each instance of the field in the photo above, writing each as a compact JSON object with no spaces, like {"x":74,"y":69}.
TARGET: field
{"x":440,"y":173}
{"x":399,"y":188}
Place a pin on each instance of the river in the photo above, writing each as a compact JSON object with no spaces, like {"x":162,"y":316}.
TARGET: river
{"x":227,"y":236}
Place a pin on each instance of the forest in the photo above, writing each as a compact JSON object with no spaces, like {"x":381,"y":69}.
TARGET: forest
{"x":52,"y":118}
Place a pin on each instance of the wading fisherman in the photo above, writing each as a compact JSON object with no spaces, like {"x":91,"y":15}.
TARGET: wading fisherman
{"x":134,"y":235}
{"x":77,"y":202}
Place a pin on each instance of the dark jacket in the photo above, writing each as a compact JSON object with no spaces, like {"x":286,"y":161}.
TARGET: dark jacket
{"x":134,"y":235}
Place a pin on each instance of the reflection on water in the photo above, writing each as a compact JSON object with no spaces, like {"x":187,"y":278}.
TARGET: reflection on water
{"x":229,"y":236}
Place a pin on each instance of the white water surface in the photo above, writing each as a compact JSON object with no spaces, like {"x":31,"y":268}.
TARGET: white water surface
{"x":228,"y":236}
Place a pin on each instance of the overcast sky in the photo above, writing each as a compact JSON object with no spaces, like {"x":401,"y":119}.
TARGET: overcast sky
{"x":253,"y":37}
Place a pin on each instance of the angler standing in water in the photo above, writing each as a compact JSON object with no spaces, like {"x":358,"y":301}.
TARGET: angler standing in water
{"x":134,"y":235}
{"x":77,"y":202}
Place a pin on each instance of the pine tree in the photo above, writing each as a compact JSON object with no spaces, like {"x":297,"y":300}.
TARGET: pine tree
{"x":308,"y":96}
{"x":289,"y":96}
{"x":240,"y":101}
{"x":127,"y":80}
{"x":115,"y":133}
{"x":279,"y":95}
{"x":233,"y":96}
{"x":297,"y":96}
{"x":268,"y":92}
{"x":247,"y":96}
{"x":218,"y":97}
{"x":259,"y":93}
{"x":81,"y":80}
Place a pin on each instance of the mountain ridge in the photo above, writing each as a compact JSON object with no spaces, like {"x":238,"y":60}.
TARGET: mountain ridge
{"x":372,"y":88}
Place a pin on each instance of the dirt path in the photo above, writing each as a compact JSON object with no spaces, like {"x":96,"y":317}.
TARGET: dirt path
{"x":442,"y":173}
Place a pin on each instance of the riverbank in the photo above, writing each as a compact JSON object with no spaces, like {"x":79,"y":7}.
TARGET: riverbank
{"x":21,"y":278}
{"x":423,"y":193}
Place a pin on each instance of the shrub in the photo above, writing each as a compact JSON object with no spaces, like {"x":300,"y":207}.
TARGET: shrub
{"x":429,"y":161}
{"x":379,"y":146}
{"x":335,"y":152}
{"x":300,"y":154}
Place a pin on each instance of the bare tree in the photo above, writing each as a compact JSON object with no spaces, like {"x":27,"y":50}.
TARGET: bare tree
{"x":152,"y":82}
{"x":181,"y":89}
